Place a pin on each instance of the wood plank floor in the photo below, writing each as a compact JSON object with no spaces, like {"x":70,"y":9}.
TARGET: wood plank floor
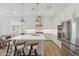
{"x":50,"y":49}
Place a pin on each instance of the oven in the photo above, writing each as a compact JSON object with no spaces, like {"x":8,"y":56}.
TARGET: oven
{"x":59,"y":32}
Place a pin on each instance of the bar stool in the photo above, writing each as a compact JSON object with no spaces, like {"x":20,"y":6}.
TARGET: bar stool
{"x":8,"y":41}
{"x":32,"y":49}
{"x":19,"y":48}
{"x":9,"y":48}
{"x":2,"y":43}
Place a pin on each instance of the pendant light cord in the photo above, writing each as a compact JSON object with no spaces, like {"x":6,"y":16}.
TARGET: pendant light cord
{"x":37,"y":8}
{"x":22,"y":14}
{"x":22,"y":11}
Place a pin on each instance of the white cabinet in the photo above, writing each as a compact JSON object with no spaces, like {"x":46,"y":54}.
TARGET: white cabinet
{"x":18,"y":27}
{"x":15,"y":28}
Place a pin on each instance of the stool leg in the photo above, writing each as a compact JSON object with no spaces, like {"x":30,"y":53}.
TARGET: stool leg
{"x":20,"y":52}
{"x":23,"y":52}
{"x":36,"y":53}
{"x":15,"y":50}
{"x":14,"y":53}
{"x":29,"y":52}
{"x":8,"y":49}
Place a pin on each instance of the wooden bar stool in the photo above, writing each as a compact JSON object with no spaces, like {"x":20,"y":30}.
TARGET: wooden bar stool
{"x":2,"y":43}
{"x":19,"y":48}
{"x":32,"y":49}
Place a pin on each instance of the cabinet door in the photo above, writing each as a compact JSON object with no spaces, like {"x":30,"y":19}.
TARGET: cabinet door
{"x":77,"y":31}
{"x":16,"y":29}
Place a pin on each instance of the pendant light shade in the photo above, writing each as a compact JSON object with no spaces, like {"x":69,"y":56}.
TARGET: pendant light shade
{"x":22,"y":20}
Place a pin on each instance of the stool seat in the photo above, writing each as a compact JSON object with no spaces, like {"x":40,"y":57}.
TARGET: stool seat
{"x":36,"y":43}
{"x":7,"y":37}
{"x":20,"y":47}
{"x":20,"y":43}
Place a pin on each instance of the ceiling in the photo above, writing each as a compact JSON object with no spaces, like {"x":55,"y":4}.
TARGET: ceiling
{"x":30,"y":9}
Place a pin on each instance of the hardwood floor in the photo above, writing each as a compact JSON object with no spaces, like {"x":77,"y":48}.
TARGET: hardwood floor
{"x":3,"y":51}
{"x":50,"y":49}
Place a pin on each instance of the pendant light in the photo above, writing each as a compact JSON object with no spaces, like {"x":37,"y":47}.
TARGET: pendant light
{"x":38,"y":20}
{"x":22,"y":20}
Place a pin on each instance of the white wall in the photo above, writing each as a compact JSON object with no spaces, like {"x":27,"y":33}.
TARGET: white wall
{"x":5,"y":24}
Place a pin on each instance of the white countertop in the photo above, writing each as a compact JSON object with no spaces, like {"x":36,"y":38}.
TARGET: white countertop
{"x":28,"y":37}
{"x":46,"y":31}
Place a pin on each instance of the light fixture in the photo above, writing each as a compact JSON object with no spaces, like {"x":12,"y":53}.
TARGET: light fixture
{"x":50,"y":13}
{"x":33,"y":8}
{"x":49,"y":7}
{"x":38,"y":22}
{"x":27,"y":13}
{"x":39,"y":13}
{"x":22,"y":20}
{"x":1,"y":12}
{"x":14,"y":12}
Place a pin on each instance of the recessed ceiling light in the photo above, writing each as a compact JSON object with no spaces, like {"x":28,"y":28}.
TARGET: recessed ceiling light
{"x":50,"y":13}
{"x":33,"y":8}
{"x":49,"y":7}
{"x":14,"y":12}
{"x":39,"y":13}
{"x":26,"y":13}
{"x":1,"y":12}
